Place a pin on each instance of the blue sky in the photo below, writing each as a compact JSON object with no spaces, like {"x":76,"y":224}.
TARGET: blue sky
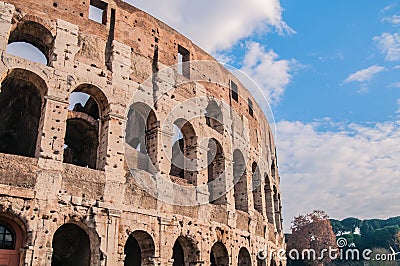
{"x":331,"y":72}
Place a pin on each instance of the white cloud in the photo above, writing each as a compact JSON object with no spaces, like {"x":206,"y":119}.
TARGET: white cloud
{"x":395,"y":85}
{"x":351,"y":170}
{"x":389,"y":44}
{"x":398,"y":104}
{"x":364,"y":74}
{"x":388,"y":8}
{"x":217,"y":25}
{"x":394,"y":20}
{"x":271,"y":74}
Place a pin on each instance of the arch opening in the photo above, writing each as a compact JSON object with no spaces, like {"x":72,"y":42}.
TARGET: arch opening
{"x":178,"y":255}
{"x":141,"y":136}
{"x":240,"y":181}
{"x":139,"y":249}
{"x":21,"y":101}
{"x":214,"y":117}
{"x":183,"y":158}
{"x":219,"y":255}
{"x":185,"y":252}
{"x":268,"y":199}
{"x":244,"y":258}
{"x":256,"y":187}
{"x":216,"y":172}
{"x":277,"y":208}
{"x":71,"y":246}
{"x":34,"y":34}
{"x":86,"y":136}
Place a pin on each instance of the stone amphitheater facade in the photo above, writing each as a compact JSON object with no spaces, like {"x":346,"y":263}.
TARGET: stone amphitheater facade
{"x":100,"y":181}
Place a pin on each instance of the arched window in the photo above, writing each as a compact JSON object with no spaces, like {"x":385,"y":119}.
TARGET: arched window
{"x":216,"y":172}
{"x":214,"y":117}
{"x":277,"y":206}
{"x":268,"y":199}
{"x":256,"y":187}
{"x":178,"y":256}
{"x":240,"y":181}
{"x":184,"y":252}
{"x":12,"y":239}
{"x":244,"y":258}
{"x":71,"y":246}
{"x":7,"y":237}
{"x":219,"y":255}
{"x":139,"y":249}
{"x":183,"y":158}
{"x":33,"y":37}
{"x":21,"y":100}
{"x":85,"y":129}
{"x":141,"y":136}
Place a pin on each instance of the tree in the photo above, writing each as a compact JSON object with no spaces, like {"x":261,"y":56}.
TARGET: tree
{"x":311,"y":234}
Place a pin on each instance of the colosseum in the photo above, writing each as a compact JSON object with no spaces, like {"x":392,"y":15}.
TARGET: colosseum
{"x":128,"y":145}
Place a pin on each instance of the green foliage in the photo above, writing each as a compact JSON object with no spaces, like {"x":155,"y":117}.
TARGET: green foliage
{"x":375,"y":233}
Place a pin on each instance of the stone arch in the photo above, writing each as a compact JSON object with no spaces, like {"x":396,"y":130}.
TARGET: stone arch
{"x":277,"y":209}
{"x":240,"y":181}
{"x":219,"y":255}
{"x":34,"y":33}
{"x":13,"y":238}
{"x":244,"y":258}
{"x":139,"y":249}
{"x":85,"y":142}
{"x":141,"y":136}
{"x":22,"y":99}
{"x":185,"y":252}
{"x":256,"y":187}
{"x":216,"y":172}
{"x":268,"y":193}
{"x":72,"y":245}
{"x":183,"y":158}
{"x":214,"y":116}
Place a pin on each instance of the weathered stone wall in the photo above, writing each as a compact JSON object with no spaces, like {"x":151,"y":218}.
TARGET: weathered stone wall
{"x":111,"y":62}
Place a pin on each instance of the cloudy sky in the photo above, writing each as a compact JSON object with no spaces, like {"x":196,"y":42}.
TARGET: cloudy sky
{"x":331,"y":70}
